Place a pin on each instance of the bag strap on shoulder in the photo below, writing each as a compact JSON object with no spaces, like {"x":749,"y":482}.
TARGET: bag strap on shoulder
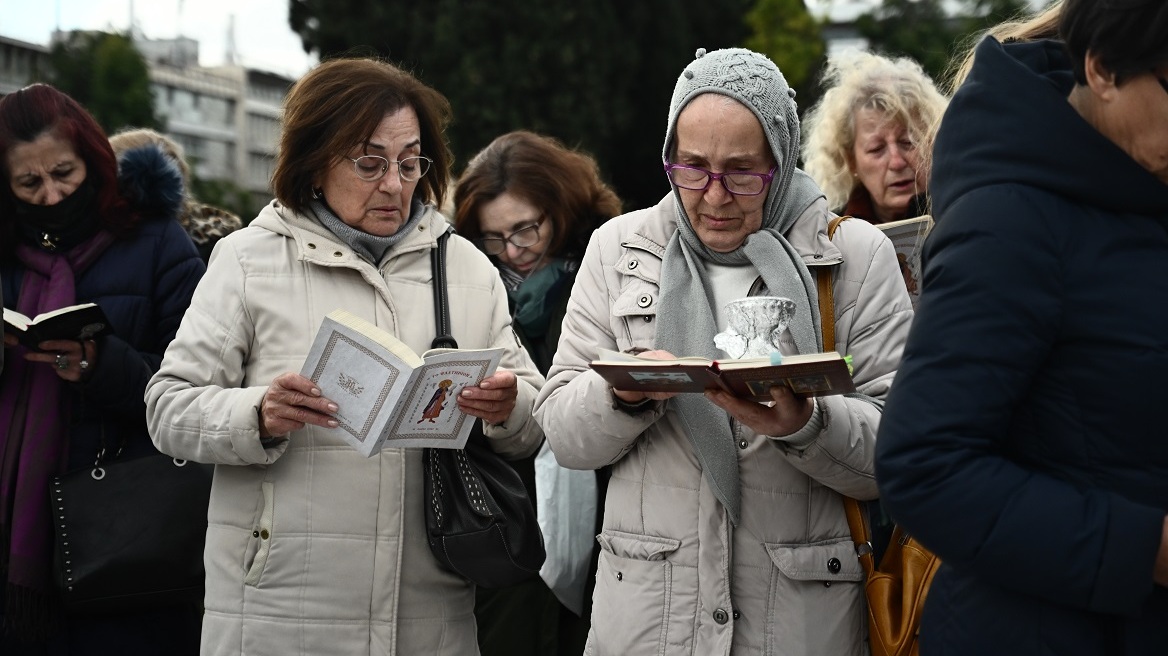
{"x":441,"y":299}
{"x":823,"y":285}
{"x":857,"y":519}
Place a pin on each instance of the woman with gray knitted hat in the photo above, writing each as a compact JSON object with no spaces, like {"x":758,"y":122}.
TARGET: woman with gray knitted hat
{"x":724,"y":529}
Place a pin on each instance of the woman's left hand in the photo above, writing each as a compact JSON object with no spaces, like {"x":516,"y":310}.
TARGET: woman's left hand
{"x":67,"y":358}
{"x":493,"y":399}
{"x":788,"y":414}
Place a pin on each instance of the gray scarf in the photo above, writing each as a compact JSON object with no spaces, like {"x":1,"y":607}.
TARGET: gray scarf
{"x":370,"y":248}
{"x":685,"y":323}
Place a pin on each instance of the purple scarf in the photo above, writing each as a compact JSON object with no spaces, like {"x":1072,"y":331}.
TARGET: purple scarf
{"x":33,"y":436}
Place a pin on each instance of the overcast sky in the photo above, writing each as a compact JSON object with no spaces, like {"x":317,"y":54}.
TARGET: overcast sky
{"x":262,"y":37}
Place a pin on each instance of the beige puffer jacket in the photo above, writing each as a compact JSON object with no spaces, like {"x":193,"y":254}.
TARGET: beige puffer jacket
{"x":313,"y":549}
{"x":675,"y":576}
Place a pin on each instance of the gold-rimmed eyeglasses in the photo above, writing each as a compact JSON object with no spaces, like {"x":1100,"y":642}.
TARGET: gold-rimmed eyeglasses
{"x":522,"y":238}
{"x":374,"y":167}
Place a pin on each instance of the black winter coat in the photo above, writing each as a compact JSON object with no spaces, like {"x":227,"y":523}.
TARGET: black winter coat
{"x":143,"y":282}
{"x":1023,"y":439}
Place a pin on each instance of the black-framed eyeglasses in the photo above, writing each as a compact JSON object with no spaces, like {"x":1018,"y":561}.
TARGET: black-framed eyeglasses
{"x":374,"y":167}
{"x":522,"y":238}
{"x":739,"y":183}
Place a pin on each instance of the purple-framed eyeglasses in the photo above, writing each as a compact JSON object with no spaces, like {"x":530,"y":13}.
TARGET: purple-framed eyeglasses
{"x":739,"y":183}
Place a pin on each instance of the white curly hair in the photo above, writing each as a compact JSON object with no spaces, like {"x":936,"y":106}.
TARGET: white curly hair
{"x":897,"y":87}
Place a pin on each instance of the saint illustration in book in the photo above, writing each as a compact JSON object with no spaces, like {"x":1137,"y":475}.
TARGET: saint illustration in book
{"x":437,"y":402}
{"x":906,"y":270}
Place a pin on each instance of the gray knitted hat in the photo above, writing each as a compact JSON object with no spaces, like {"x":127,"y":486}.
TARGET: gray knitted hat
{"x":753,"y":80}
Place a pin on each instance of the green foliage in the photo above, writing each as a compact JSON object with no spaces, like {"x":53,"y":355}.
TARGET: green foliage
{"x":108,"y":76}
{"x":787,"y":33}
{"x":224,"y":194}
{"x":922,"y":30}
{"x":582,"y":72}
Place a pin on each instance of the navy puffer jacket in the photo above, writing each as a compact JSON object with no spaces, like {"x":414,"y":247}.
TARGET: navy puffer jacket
{"x":143,"y":282}
{"x":1023,"y":439}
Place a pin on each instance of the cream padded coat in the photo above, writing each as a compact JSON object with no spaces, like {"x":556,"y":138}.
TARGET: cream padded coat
{"x":311,"y":548}
{"x":675,"y":576}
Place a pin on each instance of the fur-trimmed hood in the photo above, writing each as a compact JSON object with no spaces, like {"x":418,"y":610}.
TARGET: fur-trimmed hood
{"x":151,"y":182}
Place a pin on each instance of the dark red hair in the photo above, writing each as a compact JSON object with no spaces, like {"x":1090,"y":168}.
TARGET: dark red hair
{"x":37,"y":109}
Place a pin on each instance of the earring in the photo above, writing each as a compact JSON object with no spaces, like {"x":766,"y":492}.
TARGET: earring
{"x":317,"y":193}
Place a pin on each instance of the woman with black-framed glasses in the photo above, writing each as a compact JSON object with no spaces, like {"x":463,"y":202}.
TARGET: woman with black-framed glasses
{"x":530,"y":203}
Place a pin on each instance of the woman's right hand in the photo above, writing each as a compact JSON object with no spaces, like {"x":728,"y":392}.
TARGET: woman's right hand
{"x":633,"y":396}
{"x":291,"y":402}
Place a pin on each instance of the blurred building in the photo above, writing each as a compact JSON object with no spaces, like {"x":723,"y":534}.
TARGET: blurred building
{"x":227,"y":118}
{"x":20,"y":63}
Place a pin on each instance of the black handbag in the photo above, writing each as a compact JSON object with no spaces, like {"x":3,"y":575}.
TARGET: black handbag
{"x":480,"y":522}
{"x":129,"y":533}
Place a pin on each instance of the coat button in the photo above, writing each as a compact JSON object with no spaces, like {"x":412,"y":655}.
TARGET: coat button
{"x":833,"y":565}
{"x":264,"y":535}
{"x":737,"y":615}
{"x":255,"y":534}
{"x":620,"y":576}
{"x":645,"y":300}
{"x":721,"y":616}
{"x":632,"y":264}
{"x":742,"y":444}
{"x":311,"y":246}
{"x":648,"y":318}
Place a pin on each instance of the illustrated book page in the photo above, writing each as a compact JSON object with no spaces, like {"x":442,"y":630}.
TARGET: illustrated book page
{"x":387,"y":395}
{"x":813,"y":374}
{"x":908,"y":237}
{"x":77,"y":322}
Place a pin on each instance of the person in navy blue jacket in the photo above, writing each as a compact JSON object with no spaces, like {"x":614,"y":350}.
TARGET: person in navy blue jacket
{"x":75,"y":227}
{"x":1023,"y":438}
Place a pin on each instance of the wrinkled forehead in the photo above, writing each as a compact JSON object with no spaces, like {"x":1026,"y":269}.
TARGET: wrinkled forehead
{"x":717,"y":113}
{"x":723,"y":123}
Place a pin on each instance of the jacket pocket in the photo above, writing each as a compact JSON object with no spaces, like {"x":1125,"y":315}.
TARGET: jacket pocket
{"x":259,"y":545}
{"x":634,"y":314}
{"x":823,"y":581}
{"x":637,"y":610}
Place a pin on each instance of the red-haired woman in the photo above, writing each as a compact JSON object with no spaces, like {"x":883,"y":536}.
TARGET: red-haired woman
{"x":75,"y":228}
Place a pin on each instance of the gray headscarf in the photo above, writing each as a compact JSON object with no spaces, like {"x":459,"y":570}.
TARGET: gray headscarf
{"x":685,"y":323}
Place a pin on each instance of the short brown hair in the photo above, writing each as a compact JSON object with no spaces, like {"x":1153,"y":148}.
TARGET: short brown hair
{"x":338,"y":105}
{"x":563,"y":183}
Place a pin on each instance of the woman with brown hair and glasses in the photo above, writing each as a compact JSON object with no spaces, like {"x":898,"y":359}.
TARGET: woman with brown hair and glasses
{"x":311,"y":547}
{"x":531,"y":204}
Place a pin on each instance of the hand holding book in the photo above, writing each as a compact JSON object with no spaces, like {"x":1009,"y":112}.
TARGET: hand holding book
{"x":636,"y":396}
{"x":787,"y":414}
{"x":292,"y":402}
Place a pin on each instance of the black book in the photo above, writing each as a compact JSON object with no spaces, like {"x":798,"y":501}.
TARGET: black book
{"x":79,"y":322}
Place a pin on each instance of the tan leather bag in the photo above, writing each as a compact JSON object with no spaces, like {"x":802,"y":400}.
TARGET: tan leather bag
{"x":896,"y":587}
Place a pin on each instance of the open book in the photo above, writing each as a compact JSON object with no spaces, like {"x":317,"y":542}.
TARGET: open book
{"x":84,"y":321}
{"x":389,"y":396}
{"x":908,"y":237}
{"x":813,"y":374}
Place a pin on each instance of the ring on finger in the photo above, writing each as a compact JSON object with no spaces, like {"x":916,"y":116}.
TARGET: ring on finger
{"x":62,"y":361}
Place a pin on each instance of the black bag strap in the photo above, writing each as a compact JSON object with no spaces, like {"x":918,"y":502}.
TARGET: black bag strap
{"x":441,"y":299}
